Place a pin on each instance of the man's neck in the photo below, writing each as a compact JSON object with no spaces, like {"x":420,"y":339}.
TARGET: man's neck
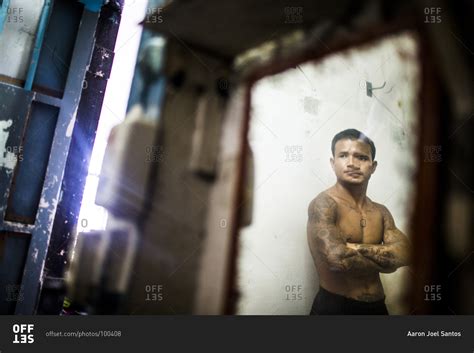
{"x":356,"y":193}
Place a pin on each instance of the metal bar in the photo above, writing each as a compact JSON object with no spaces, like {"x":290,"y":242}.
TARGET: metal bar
{"x":43,"y":98}
{"x":43,"y":24}
{"x":76,"y":171}
{"x":4,"y":13}
{"x":93,"y":5}
{"x":17,"y":227}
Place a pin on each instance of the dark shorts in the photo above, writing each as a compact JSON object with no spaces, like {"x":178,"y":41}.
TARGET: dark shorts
{"x":327,"y":303}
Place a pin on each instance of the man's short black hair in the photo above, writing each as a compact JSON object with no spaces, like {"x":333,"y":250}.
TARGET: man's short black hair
{"x":353,"y":134}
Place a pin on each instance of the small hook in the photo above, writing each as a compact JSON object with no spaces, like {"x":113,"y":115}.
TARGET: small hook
{"x":369,"y":87}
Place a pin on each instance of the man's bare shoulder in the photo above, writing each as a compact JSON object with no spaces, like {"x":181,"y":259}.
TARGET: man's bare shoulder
{"x":323,"y":198}
{"x":322,"y":205}
{"x":379,"y":207}
{"x":387,"y":216}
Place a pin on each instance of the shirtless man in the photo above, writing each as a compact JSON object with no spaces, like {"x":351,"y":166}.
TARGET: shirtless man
{"x":352,"y":239}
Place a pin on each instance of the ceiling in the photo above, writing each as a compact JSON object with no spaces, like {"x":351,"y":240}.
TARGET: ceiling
{"x":228,"y":28}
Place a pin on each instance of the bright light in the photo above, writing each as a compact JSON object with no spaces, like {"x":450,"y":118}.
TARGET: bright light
{"x":114,"y":108}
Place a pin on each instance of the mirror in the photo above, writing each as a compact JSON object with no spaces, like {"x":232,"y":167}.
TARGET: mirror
{"x":294,"y":117}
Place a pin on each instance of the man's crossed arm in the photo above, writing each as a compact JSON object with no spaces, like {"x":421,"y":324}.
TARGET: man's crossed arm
{"x":327,"y":243}
{"x":395,"y":250}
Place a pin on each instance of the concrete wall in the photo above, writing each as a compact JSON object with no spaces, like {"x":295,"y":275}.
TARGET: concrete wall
{"x":18,"y":36}
{"x":294,"y":117}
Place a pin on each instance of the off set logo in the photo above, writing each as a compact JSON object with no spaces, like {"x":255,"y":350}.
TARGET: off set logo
{"x":23,"y":333}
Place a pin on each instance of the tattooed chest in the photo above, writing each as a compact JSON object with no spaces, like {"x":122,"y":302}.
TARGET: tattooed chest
{"x":364,"y":228}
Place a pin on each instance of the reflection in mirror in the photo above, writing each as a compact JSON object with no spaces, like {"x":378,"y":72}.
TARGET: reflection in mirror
{"x":294,"y":117}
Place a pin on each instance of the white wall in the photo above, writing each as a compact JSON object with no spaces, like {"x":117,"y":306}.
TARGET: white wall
{"x":299,"y":111}
{"x":18,"y":36}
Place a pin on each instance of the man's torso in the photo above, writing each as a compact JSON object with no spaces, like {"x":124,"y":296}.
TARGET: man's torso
{"x":363,"y":226}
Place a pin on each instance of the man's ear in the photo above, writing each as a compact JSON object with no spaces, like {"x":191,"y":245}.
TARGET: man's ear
{"x":331,"y":160}
{"x":374,"y":166}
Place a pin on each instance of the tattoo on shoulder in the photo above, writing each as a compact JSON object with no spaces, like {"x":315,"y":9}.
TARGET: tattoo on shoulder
{"x":388,"y":221}
{"x":322,"y":209}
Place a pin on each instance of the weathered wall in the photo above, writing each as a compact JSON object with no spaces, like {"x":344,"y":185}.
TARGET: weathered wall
{"x":18,"y":36}
{"x":174,"y":228}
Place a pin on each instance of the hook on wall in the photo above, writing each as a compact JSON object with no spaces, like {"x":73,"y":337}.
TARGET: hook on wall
{"x":370,"y":88}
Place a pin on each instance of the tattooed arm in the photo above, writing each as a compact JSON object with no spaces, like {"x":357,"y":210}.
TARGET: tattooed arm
{"x":327,"y":243}
{"x":395,"y":251}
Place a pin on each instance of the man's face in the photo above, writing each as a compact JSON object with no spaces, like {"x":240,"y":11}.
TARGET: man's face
{"x":352,"y":161}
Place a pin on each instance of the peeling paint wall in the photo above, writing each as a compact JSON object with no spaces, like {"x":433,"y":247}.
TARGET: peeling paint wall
{"x":7,"y":158}
{"x":294,"y":117}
